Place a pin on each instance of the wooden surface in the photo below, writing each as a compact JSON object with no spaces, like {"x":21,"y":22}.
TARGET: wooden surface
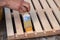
{"x":3,"y":34}
{"x":45,"y":18}
{"x":9,"y":25}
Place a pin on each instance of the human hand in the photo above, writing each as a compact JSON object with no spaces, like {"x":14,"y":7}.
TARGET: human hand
{"x":19,"y":5}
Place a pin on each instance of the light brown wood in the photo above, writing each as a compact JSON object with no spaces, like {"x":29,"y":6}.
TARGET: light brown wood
{"x":37,"y":26}
{"x":18,"y":23}
{"x":42,"y":17}
{"x":58,"y":3}
{"x":55,"y":9}
{"x":50,"y":15}
{"x":9,"y":25}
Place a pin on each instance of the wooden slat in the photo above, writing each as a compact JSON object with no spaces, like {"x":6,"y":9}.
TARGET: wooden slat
{"x":9,"y":25}
{"x":35,"y":20}
{"x":50,"y":15}
{"x":55,"y":9}
{"x":18,"y":24}
{"x":27,"y":23}
{"x":36,"y":23}
{"x":42,"y":17}
{"x":58,"y":3}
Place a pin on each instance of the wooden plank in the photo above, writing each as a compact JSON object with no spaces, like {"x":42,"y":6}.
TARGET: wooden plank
{"x":9,"y":25}
{"x":18,"y":24}
{"x":27,"y":23}
{"x":50,"y":15}
{"x":58,"y":3}
{"x":35,"y":20}
{"x":55,"y":9}
{"x":42,"y":17}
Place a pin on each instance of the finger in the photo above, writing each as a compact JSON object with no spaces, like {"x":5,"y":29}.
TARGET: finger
{"x":26,"y":5}
{"x":21,"y":11}
{"x":24,"y":9}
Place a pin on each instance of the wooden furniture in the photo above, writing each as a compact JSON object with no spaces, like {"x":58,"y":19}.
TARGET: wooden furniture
{"x":44,"y":17}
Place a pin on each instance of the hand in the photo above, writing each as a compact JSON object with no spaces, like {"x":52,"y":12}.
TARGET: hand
{"x":19,"y":5}
{"x":2,"y":3}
